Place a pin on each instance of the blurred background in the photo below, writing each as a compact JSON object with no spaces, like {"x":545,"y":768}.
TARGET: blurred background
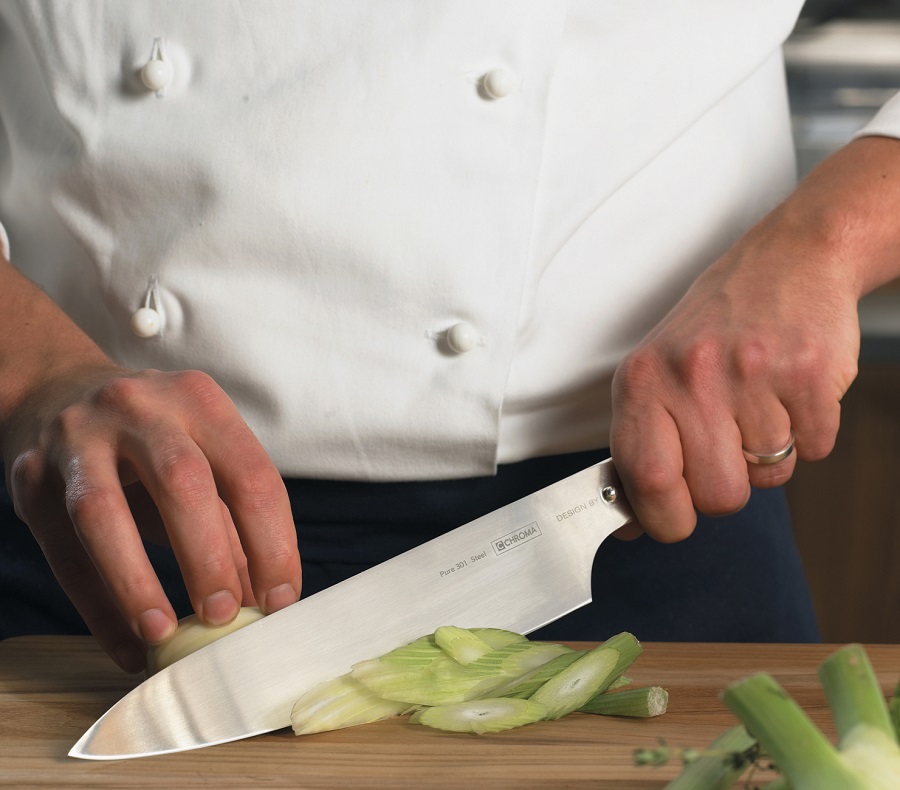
{"x":843,"y":63}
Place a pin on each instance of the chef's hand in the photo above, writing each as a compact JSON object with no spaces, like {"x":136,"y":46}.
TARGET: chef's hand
{"x":766,"y":341}
{"x":98,"y":457}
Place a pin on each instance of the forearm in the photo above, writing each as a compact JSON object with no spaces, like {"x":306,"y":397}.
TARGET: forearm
{"x":38,"y":342}
{"x":848,"y":209}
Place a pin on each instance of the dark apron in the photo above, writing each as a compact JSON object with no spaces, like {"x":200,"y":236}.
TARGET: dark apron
{"x":736,"y":579}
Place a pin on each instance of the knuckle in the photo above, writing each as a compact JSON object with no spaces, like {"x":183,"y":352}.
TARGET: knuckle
{"x":700,"y":364}
{"x":773,"y":477}
{"x":89,"y":507}
{"x":212,"y":569}
{"x":199,"y":386}
{"x":808,"y":367}
{"x":652,"y":481}
{"x":186,"y":475}
{"x":70,"y":423}
{"x":277,"y":557}
{"x":639,"y":371}
{"x":847,"y":369}
{"x":817,"y":448}
{"x":217,"y":565}
{"x":132,"y":590}
{"x":128,"y":398}
{"x":121,"y":393}
{"x":27,"y":485}
{"x":26,"y":474}
{"x":814,"y":369}
{"x":195,"y":379}
{"x":804,"y":368}
{"x":752,"y":359}
{"x":200,"y":394}
{"x":727,"y":497}
{"x":695,"y":366}
{"x":258,"y":487}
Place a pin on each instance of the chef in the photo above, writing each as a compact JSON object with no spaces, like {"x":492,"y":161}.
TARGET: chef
{"x":348,"y":275}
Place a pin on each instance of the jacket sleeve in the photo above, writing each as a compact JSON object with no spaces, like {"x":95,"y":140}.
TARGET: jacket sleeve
{"x":886,"y":121}
{"x":4,"y":243}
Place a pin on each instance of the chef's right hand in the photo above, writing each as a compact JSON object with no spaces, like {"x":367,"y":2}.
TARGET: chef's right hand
{"x":760,"y":350}
{"x":99,"y":457}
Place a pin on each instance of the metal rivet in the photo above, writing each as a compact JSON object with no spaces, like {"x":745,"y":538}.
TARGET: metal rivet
{"x":609,"y":494}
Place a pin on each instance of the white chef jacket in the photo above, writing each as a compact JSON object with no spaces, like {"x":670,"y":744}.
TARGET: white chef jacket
{"x":324,"y":190}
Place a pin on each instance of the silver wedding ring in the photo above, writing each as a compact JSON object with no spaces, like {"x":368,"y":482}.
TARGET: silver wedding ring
{"x":770,"y":458}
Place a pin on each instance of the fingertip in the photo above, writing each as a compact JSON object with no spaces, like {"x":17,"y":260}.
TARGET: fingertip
{"x":629,"y":532}
{"x":673,"y":534}
{"x":726,"y":499}
{"x":279,"y":597}
{"x":671,"y":526}
{"x":662,"y":503}
{"x":129,"y":657}
{"x":155,"y":626}
{"x":220,"y":608}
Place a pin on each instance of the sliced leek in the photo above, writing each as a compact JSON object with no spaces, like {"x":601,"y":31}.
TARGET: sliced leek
{"x":478,"y":680}
{"x":462,"y":645}
{"x":525,"y":688}
{"x":590,"y":675}
{"x":483,"y":716}
{"x":342,"y":702}
{"x":498,"y":637}
{"x":637,"y":702}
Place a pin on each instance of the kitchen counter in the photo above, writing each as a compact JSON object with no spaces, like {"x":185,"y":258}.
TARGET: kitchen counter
{"x":53,"y":688}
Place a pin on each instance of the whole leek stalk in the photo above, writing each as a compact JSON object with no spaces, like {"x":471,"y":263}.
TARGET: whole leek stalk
{"x":867,"y":756}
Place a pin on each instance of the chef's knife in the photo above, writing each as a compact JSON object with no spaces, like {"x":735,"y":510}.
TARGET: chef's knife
{"x":518,"y":568}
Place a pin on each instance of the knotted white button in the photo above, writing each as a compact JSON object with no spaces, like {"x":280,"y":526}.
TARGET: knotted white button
{"x":499,"y":83}
{"x":462,"y":337}
{"x":157,"y":74}
{"x":146,"y":322}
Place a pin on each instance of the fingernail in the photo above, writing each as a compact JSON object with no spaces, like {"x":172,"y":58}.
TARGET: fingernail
{"x":220,"y":608}
{"x":279,"y":597}
{"x":155,"y":626}
{"x":130,"y":657}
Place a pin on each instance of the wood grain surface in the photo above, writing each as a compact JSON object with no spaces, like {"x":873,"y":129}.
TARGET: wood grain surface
{"x":53,"y":688}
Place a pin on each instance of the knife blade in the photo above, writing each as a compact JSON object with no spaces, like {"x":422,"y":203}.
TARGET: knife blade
{"x":519,"y":568}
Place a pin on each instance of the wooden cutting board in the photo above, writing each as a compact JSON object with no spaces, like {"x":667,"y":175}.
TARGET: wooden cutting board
{"x":53,"y":688}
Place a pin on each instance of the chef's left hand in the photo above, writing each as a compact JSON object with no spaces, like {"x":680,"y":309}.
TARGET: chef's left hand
{"x":765,"y":342}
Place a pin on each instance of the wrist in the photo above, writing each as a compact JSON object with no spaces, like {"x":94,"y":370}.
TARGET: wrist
{"x":40,"y":346}
{"x":845,"y":213}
